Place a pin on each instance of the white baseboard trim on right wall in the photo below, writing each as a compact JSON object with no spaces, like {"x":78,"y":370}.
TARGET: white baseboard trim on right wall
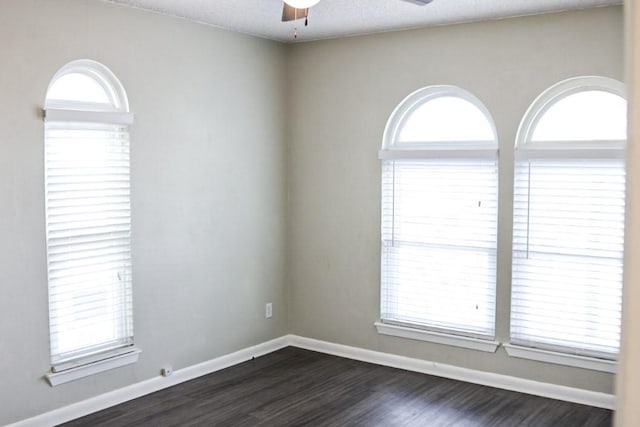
{"x":521,"y":385}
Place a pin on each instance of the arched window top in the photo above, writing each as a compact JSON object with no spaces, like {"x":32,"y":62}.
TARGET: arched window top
{"x":440,"y":118}
{"x":578,"y":113}
{"x":86,"y":85}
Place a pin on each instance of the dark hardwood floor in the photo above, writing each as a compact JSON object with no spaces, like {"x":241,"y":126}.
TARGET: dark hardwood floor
{"x":294,"y":387}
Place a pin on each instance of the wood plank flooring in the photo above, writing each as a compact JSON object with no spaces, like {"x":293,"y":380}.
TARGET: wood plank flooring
{"x":295,"y":387}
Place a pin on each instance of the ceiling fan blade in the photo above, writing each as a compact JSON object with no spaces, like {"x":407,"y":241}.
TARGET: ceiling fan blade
{"x":290,"y":13}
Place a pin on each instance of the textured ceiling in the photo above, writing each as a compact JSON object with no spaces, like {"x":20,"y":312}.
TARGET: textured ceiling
{"x":336,"y":18}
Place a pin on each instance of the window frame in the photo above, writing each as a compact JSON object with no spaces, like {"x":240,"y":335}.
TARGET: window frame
{"x":580,"y":150}
{"x":100,"y":74}
{"x":550,"y":97}
{"x":394,"y":149}
{"x":83,"y":115}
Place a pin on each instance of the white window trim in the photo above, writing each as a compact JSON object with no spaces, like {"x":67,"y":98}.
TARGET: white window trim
{"x":124,"y":357}
{"x":65,"y":115}
{"x":101,"y":74}
{"x":416,"y":100}
{"x":86,"y":112}
{"x":571,"y":153}
{"x":526,"y":149}
{"x":486,"y":345}
{"x":393,"y":149}
{"x":567,"y":359}
{"x":398,"y":154}
{"x":549,"y":97}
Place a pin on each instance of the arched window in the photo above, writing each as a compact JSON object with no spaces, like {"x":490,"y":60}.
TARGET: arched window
{"x":88,"y":219}
{"x":568,"y":230}
{"x":439,"y":217}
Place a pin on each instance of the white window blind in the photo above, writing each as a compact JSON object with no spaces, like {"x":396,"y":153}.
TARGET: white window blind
{"x":88,"y":223}
{"x":568,"y":231}
{"x":567,"y":254}
{"x":439,"y":215}
{"x":439,"y":244}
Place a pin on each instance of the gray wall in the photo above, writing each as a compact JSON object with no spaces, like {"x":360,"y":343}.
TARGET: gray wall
{"x":343,"y":93}
{"x":208,"y":189}
{"x":244,"y":151}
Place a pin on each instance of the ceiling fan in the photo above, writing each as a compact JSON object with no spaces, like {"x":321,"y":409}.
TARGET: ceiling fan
{"x":298,"y":9}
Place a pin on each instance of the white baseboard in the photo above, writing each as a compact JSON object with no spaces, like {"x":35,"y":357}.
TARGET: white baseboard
{"x":133,"y":391}
{"x":104,"y":401}
{"x":553,"y":391}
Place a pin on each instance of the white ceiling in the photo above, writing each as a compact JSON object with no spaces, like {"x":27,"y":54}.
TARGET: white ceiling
{"x":336,"y":18}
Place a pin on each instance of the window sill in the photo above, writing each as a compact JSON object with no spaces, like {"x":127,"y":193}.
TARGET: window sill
{"x":437,"y":337}
{"x":126,"y":358}
{"x":547,"y":356}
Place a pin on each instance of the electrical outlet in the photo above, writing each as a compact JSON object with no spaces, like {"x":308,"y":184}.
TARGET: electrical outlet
{"x":268,"y":312}
{"x":166,"y":371}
